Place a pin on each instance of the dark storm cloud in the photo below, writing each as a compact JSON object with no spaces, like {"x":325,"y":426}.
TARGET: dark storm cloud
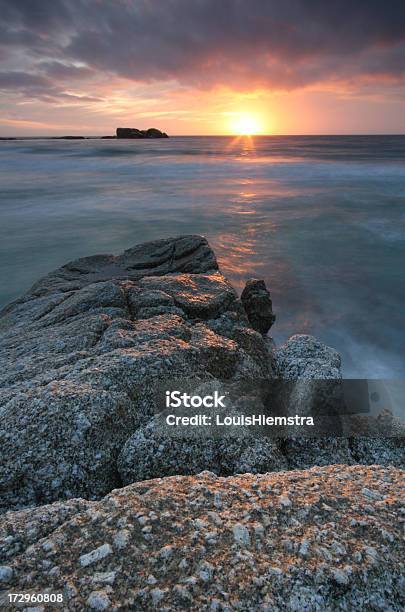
{"x":278,"y":43}
{"x":39,"y":87}
{"x":39,"y":16}
{"x":21,"y":80}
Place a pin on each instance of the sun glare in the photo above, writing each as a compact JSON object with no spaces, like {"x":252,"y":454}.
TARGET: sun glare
{"x":245,"y":124}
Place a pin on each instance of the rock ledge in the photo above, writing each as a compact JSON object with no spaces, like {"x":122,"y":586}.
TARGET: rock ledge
{"x":320,"y":539}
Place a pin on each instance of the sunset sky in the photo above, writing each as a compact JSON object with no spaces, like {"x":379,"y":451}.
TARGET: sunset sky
{"x":202,"y":66}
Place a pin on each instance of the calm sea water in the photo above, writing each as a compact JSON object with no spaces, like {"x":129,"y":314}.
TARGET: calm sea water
{"x":321,"y":219}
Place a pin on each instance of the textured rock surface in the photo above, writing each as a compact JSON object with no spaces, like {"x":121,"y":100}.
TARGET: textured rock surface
{"x":81,"y":356}
{"x":302,"y":359}
{"x":384,"y":451}
{"x":258,"y":306}
{"x":81,"y":352}
{"x":305,"y":357}
{"x":151,"y":453}
{"x":322,"y":539}
{"x":190,"y":254}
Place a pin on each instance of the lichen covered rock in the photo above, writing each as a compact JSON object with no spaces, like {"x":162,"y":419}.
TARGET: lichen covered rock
{"x":322,"y":539}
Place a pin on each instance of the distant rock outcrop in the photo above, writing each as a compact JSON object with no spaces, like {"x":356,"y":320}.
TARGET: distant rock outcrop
{"x":135,"y":133}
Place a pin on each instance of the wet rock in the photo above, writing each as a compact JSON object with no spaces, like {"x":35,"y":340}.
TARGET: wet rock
{"x":258,"y":306}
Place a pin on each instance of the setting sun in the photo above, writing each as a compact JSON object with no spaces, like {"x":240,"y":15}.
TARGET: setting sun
{"x":246,"y":124}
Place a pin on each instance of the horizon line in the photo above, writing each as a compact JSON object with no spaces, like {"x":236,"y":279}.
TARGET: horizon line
{"x":112,"y":137}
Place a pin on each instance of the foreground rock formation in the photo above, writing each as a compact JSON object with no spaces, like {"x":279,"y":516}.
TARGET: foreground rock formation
{"x":322,"y":539}
{"x":81,"y":355}
{"x":82,"y":351}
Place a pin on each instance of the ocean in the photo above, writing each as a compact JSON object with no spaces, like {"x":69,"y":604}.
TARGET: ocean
{"x":321,"y":219}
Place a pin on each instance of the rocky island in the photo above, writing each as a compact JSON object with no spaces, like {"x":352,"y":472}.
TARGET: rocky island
{"x":128,"y":133}
{"x":101,"y":507}
{"x":135,"y":133}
